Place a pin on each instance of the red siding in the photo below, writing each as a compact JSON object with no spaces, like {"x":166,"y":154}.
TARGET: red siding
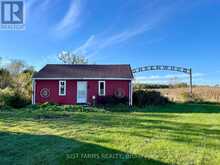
{"x":71,"y":90}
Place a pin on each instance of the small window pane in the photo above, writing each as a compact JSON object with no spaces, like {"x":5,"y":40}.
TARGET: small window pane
{"x":101,"y":88}
{"x":102,"y":91}
{"x":102,"y":85}
{"x":62,"y":88}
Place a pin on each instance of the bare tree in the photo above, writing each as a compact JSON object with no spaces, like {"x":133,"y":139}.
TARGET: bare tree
{"x":16,"y":66}
{"x":5,"y":78}
{"x":71,"y":58}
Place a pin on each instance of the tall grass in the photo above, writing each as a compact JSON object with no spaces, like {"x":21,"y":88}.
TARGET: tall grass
{"x":201,"y":93}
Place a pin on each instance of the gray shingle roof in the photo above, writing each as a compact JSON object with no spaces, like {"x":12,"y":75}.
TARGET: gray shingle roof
{"x":85,"y":71}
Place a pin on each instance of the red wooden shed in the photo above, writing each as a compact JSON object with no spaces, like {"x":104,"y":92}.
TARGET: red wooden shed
{"x":81,"y":83}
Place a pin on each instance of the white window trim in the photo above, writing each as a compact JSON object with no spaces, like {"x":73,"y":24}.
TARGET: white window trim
{"x":64,"y":94}
{"x":100,"y":90}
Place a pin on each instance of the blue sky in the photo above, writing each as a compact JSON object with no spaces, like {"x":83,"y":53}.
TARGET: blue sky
{"x":137,"y":32}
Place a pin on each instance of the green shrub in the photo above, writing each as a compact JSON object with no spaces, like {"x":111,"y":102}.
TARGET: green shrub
{"x":4,"y":94}
{"x":139,"y":98}
{"x":68,"y":107}
{"x":112,"y":100}
{"x":8,"y":97}
{"x":5,"y":108}
{"x":143,"y":98}
{"x":47,"y":106}
{"x":155,"y":98}
{"x":33,"y":107}
{"x":16,"y":101}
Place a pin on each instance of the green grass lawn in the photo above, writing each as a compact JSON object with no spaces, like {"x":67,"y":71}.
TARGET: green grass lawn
{"x":173,"y":134}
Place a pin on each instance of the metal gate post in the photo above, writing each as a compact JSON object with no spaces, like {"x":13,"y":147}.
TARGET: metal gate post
{"x":191,"y":83}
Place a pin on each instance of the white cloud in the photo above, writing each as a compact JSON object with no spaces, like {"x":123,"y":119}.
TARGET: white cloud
{"x":95,"y":43}
{"x":197,"y":75}
{"x":71,"y":20}
{"x":30,"y":4}
{"x":147,"y":17}
{"x":184,"y":76}
{"x":45,"y":4}
{"x":85,"y":47}
{"x":36,"y":6}
{"x":125,"y":35}
{"x":143,"y":23}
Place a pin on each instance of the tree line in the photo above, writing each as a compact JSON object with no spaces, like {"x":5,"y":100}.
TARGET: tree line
{"x":16,"y":79}
{"x":15,"y":82}
{"x":144,"y":86}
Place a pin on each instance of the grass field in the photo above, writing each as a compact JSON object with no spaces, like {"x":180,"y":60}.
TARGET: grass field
{"x":173,"y":134}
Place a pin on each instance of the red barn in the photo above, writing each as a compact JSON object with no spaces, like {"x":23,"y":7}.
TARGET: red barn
{"x":81,"y":84}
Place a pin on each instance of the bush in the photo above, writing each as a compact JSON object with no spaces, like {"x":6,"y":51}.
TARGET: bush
{"x":68,"y":107}
{"x":49,"y":106}
{"x":139,"y":98}
{"x":5,"y":108}
{"x":112,"y":100}
{"x":32,"y":106}
{"x":155,"y":98}
{"x":4,"y":94}
{"x":16,"y":101}
{"x":142,"y":98}
{"x":8,"y":97}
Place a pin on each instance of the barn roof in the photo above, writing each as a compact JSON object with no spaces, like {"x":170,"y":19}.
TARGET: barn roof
{"x":84,"y":71}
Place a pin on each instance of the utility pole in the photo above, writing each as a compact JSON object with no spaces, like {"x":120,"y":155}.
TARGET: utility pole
{"x":191,"y":83}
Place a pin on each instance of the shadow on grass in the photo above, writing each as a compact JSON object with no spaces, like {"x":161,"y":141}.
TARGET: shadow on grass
{"x":182,"y":108}
{"x":21,"y":148}
{"x":155,"y":125}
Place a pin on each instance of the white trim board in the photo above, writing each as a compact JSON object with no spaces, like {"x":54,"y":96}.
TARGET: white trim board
{"x":33,"y":91}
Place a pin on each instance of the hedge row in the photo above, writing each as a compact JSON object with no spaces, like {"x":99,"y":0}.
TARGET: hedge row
{"x":144,"y":98}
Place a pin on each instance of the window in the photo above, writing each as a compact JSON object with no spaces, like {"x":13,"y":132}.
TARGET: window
{"x":62,"y":88}
{"x":101,"y":88}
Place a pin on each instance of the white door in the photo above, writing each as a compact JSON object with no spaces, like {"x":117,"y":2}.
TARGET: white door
{"x":81,"y":91}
